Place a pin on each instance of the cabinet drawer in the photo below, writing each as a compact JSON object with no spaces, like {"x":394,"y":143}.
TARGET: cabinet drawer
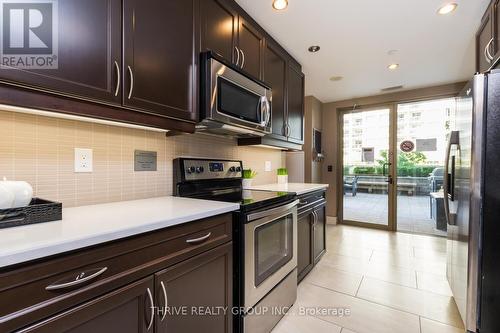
{"x":39,"y":290}
{"x":310,"y":200}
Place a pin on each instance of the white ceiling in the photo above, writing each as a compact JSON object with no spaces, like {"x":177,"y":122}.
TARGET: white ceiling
{"x":355,"y":37}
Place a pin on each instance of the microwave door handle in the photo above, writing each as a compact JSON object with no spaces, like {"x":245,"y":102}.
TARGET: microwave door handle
{"x":265,"y":113}
{"x":268,"y":111}
{"x":262,"y":109}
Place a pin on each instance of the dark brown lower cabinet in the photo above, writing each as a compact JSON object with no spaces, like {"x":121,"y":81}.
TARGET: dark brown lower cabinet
{"x":195,"y":294}
{"x":304,"y":245}
{"x":184,"y":269}
{"x":311,"y":232}
{"x":319,"y":232}
{"x":126,"y":310}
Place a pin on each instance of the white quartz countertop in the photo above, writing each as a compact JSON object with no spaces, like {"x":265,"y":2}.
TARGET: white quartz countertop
{"x":90,"y":225}
{"x":298,"y":188}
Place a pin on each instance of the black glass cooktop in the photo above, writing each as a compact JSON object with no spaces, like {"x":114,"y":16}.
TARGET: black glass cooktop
{"x":248,"y":199}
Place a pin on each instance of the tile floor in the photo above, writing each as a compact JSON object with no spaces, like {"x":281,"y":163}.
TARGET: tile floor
{"x":413,"y":211}
{"x":389,"y":282}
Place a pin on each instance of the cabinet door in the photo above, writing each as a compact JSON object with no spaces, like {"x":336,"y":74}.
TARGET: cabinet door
{"x":304,"y":244}
{"x":251,"y":44}
{"x":159,"y":62}
{"x":86,"y":52}
{"x":484,"y":38}
{"x":274,"y":76}
{"x":219,"y":24}
{"x":126,"y":310}
{"x":496,"y":29}
{"x":319,"y":229}
{"x":195,"y":285}
{"x":295,"y":105}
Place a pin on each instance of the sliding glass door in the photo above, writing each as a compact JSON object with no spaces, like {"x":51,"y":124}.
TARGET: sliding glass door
{"x":366,"y":194}
{"x":392,"y":162}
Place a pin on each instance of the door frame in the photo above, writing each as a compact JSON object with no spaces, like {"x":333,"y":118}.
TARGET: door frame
{"x":392,"y":188}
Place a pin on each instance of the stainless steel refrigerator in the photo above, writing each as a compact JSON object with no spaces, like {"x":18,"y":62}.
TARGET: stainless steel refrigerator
{"x":472,"y":208}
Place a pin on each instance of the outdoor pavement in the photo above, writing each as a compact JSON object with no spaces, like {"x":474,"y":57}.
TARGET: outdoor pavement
{"x":413,"y":211}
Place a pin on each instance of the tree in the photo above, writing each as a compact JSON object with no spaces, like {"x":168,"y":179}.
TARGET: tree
{"x":405,"y":160}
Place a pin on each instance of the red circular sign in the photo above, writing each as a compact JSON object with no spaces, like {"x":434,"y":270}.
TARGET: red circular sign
{"x":407,"y":146}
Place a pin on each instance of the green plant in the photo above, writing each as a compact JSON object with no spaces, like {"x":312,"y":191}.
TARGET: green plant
{"x":282,"y":172}
{"x":249,"y":174}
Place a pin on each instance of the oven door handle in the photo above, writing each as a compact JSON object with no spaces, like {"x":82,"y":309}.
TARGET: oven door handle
{"x":274,"y":211}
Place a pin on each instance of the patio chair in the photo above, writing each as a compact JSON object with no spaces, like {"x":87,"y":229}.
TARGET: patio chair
{"x":436,"y":179}
{"x":351,"y":186}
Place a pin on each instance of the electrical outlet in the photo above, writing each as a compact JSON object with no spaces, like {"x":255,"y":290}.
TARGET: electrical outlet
{"x":83,"y":160}
{"x":268,"y":166}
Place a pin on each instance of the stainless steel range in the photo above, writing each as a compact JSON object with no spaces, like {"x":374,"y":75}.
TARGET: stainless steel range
{"x":265,"y":239}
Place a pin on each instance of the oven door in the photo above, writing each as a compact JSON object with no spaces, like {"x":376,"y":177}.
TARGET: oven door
{"x":238,"y":100}
{"x":270,"y":250}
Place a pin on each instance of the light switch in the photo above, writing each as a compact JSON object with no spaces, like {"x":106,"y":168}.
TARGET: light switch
{"x":83,"y":160}
{"x":268,"y":166}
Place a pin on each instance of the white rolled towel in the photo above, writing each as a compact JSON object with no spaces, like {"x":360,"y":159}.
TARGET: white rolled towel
{"x":22,"y":191}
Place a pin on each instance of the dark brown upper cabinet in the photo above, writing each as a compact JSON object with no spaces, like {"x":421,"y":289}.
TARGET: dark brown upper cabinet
{"x":89,"y":53}
{"x":126,"y":310}
{"x":202,"y":282}
{"x":484,"y":41}
{"x":295,"y":105}
{"x":275,"y":69}
{"x":219,"y":25}
{"x":159,"y":66}
{"x":251,"y":48}
{"x":496,"y":30}
{"x":231,"y":35}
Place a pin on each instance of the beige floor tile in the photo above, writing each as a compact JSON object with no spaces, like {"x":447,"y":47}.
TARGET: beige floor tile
{"x":429,"y":254}
{"x":436,"y":266}
{"x":426,"y":304}
{"x":431,"y":326}
{"x":397,"y":275}
{"x":294,"y":323}
{"x":364,"y":316}
{"x":334,"y":279}
{"x":344,"y":263}
{"x":345,"y":330}
{"x":434,"y":283}
{"x":349,"y":250}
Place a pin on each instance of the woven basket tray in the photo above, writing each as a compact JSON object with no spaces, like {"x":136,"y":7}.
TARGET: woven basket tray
{"x":38,"y":211}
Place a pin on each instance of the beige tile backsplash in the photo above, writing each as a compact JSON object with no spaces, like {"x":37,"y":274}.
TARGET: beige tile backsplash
{"x":40,"y":150}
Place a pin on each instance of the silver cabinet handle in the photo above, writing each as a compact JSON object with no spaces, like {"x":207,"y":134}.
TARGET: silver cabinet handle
{"x":199,"y":240}
{"x":79,"y":279}
{"x":118,"y":78}
{"x":166,"y":300}
{"x":151,"y":318}
{"x":315,"y":218}
{"x":287,"y":130}
{"x":302,"y":202}
{"x":487,"y":53}
{"x":488,"y":50}
{"x":238,"y":55}
{"x":131,"y":82}
{"x":242,"y":58}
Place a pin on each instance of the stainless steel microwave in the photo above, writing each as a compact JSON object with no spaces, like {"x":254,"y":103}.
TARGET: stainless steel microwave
{"x":233,"y":103}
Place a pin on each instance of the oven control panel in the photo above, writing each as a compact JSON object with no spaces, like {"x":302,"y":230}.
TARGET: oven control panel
{"x":199,"y":169}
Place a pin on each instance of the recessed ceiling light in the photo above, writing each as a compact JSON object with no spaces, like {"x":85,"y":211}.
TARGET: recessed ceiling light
{"x":280,"y":4}
{"x":393,"y":66}
{"x":448,"y":8}
{"x":314,"y":48}
{"x":336,"y":78}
